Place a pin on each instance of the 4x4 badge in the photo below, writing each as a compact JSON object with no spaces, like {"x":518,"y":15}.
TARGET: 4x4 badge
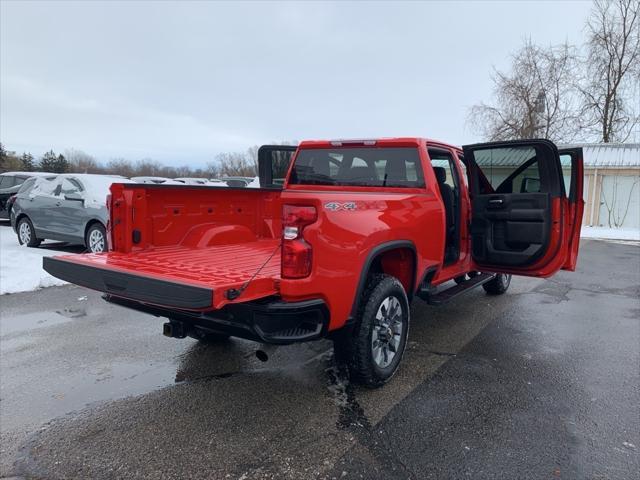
{"x":335,"y":206}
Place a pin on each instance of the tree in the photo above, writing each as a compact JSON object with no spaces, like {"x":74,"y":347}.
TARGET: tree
{"x":613,"y":65}
{"x":52,"y":163}
{"x":28,"y":165}
{"x":536,"y":98}
{"x":81,"y":162}
{"x":244,"y":164}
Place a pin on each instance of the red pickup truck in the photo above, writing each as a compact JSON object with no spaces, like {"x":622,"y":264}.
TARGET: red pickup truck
{"x":338,"y":241}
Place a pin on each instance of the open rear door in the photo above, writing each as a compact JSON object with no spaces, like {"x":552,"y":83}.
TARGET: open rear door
{"x":273,"y":164}
{"x":521,"y":221}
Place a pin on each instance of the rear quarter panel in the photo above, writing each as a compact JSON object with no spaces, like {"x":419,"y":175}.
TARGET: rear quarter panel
{"x":343,"y":237}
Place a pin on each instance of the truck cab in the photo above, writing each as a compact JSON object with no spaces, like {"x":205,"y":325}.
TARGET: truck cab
{"x":339,"y":239}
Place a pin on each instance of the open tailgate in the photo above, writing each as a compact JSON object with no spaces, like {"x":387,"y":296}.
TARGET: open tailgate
{"x":178,"y":276}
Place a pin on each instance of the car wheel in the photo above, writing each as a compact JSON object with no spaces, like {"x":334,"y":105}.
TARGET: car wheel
{"x":26,"y":233}
{"x":374,"y":348}
{"x":498,"y":285}
{"x":96,"y":240}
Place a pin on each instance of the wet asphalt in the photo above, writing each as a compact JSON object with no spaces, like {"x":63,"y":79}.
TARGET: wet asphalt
{"x":542,"y":382}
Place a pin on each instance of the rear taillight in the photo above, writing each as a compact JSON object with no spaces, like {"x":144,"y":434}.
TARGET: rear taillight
{"x":296,"y":252}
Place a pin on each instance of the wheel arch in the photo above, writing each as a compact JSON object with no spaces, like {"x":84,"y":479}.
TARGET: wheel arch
{"x":391,"y":258}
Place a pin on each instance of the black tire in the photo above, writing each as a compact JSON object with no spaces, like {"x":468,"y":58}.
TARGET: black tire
{"x":92,"y":239}
{"x":207,"y":337}
{"x":355,"y":347}
{"x":498,"y":285}
{"x":26,"y":233}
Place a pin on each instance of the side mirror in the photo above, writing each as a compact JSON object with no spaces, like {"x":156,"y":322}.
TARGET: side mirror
{"x":530,"y":185}
{"x":74,"y":196}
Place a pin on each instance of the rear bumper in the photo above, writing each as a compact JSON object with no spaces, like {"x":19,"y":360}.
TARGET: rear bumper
{"x":268,"y":321}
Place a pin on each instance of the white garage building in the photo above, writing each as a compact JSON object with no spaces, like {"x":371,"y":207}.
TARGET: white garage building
{"x":612,"y":179}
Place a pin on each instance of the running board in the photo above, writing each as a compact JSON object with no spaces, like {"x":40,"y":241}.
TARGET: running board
{"x":438,"y":298}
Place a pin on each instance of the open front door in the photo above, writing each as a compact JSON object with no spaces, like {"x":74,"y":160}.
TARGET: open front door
{"x":273,"y":164}
{"x":521,"y":221}
{"x":572,"y":161}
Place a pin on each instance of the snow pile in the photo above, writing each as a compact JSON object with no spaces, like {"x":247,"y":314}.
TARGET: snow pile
{"x":606,"y":233}
{"x":21,"y":267}
{"x":255,"y":183}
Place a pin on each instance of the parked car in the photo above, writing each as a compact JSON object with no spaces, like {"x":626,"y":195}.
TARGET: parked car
{"x":10,"y":183}
{"x":155,"y":180}
{"x":238,"y":182}
{"x":358,"y":230}
{"x":200,"y":181}
{"x":70,"y":208}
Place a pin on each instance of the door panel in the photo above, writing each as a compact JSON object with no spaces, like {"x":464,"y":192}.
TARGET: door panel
{"x":518,"y":207}
{"x":510,"y":229}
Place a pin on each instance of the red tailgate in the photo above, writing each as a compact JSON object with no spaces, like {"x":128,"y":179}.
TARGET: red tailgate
{"x":178,"y":276}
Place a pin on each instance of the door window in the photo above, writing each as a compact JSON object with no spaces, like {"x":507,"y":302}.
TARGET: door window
{"x":510,"y":170}
{"x":445,"y":160}
{"x":70,"y":185}
{"x":6,"y":181}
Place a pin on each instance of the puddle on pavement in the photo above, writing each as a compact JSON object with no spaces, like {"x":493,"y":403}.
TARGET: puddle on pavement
{"x":90,"y":383}
{"x":30,"y":321}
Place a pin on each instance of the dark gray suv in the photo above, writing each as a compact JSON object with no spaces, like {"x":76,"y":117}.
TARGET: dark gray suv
{"x":70,"y":208}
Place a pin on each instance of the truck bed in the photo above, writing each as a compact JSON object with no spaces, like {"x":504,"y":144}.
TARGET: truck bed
{"x":177,"y":276}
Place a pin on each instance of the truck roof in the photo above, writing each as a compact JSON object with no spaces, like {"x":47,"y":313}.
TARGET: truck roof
{"x":380,"y":141}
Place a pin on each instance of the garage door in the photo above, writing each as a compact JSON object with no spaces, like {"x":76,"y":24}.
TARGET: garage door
{"x":620,"y":201}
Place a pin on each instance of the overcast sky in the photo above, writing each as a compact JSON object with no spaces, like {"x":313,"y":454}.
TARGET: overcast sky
{"x":180,"y":82}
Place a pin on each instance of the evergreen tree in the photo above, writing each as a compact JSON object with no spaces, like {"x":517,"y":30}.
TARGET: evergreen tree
{"x":28,"y":164}
{"x":48,"y":162}
{"x":61,"y":164}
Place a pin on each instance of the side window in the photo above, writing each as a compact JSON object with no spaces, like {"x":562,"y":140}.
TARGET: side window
{"x":442,"y":160}
{"x":6,"y":181}
{"x":27,"y":186}
{"x":45,"y":186}
{"x":510,"y":170}
{"x":20,"y":180}
{"x":69,"y":185}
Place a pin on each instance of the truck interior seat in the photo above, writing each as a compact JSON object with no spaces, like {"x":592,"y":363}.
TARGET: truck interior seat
{"x":361,"y":174}
{"x":448,"y":199}
{"x":395,"y":170}
{"x":320,"y":166}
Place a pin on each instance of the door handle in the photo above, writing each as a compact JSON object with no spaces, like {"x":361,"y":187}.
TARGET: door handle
{"x":58,"y":204}
{"x":496,"y":201}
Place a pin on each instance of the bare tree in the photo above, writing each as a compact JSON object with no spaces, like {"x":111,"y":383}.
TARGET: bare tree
{"x":613,"y":66}
{"x":81,"y":162}
{"x":235,"y":163}
{"x":536,"y":98}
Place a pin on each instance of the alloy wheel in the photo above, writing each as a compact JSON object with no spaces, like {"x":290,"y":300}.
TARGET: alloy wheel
{"x":387,"y":332}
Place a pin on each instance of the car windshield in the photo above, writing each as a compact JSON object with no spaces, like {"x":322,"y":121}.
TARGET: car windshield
{"x":366,"y":166}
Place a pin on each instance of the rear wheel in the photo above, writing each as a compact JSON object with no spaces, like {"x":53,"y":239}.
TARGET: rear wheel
{"x":26,"y":233}
{"x":374,"y":348}
{"x":96,"y":240}
{"x":498,"y":285}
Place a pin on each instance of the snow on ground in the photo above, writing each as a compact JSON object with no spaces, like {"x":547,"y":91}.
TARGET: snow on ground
{"x":21,"y":267}
{"x":611,"y":233}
